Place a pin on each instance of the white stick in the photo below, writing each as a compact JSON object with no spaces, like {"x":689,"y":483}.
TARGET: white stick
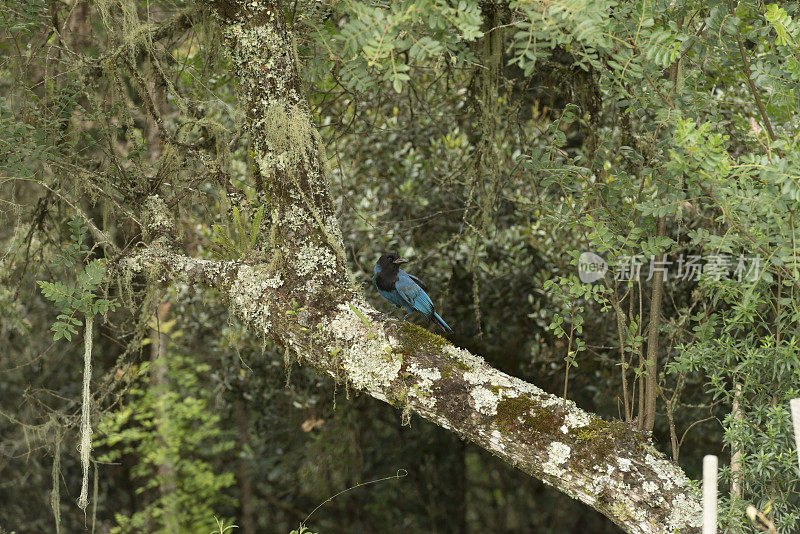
{"x":795,"y":404}
{"x":710,"y":494}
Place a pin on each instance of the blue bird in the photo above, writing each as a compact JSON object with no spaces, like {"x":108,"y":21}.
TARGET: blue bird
{"x":404,"y":290}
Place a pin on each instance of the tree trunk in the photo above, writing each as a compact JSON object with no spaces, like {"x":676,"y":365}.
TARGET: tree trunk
{"x":159,"y":382}
{"x":736,"y":446}
{"x":651,"y":380}
{"x":247,"y":522}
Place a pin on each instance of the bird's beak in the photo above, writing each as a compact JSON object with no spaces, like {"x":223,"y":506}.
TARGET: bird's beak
{"x":401,"y":260}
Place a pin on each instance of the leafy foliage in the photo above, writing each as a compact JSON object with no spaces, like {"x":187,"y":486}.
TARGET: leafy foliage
{"x":169,"y":426}
{"x":382,"y":42}
{"x":80,"y":298}
{"x":241,"y":238}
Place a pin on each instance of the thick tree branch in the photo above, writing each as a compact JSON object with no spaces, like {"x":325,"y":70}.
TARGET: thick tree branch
{"x":606,"y":465}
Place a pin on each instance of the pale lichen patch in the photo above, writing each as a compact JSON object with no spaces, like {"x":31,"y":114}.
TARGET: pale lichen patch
{"x":576,"y":418}
{"x":650,"y":487}
{"x":525,"y":388}
{"x":368,"y":360}
{"x":666,"y":471}
{"x":425,"y":374}
{"x":485,"y":375}
{"x":557,"y":454}
{"x":314,"y":259}
{"x":500,"y":381}
{"x":464,"y":356}
{"x":423,"y":389}
{"x":295,"y":218}
{"x":288,"y":135}
{"x":157,"y":216}
{"x":369,"y":365}
{"x":247,"y":291}
{"x":331,"y":224}
{"x":476,"y":377}
{"x":545,"y":400}
{"x":485,"y":400}
{"x":496,"y":441}
{"x":346,"y":324}
{"x":624,"y":464}
{"x":275,"y":282}
{"x":685,"y":513}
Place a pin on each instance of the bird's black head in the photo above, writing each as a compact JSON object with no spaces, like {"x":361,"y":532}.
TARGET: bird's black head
{"x":390,"y":262}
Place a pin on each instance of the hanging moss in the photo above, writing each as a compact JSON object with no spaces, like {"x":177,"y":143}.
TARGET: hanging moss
{"x":289,"y":139}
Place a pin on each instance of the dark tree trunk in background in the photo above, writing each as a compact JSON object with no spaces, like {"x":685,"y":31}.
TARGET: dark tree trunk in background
{"x":159,"y":384}
{"x":247,"y":523}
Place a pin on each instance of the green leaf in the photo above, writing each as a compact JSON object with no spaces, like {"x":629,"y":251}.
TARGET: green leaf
{"x":360,"y":315}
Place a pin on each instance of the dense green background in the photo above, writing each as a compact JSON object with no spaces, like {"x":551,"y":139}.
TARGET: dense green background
{"x":490,"y":142}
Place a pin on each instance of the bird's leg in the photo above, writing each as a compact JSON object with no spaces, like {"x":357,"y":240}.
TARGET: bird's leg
{"x":392,"y":325}
{"x":392,"y":319}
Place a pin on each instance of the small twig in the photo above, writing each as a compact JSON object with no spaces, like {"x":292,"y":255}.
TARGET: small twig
{"x":765,"y":524}
{"x":736,"y":446}
{"x":98,"y":235}
{"x":569,"y":360}
{"x":683,"y":436}
{"x":750,"y":82}
{"x":400,"y":474}
{"x":673,"y":435}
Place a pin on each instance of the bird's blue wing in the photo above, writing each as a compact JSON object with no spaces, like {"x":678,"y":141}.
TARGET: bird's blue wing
{"x":413,"y":294}
{"x":419,"y":282}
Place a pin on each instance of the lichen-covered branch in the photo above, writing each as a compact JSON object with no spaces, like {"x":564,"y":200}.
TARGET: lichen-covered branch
{"x":298,"y":293}
{"x":606,"y":465}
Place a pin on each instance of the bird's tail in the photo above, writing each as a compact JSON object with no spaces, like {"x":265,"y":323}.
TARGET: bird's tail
{"x":441,"y":323}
